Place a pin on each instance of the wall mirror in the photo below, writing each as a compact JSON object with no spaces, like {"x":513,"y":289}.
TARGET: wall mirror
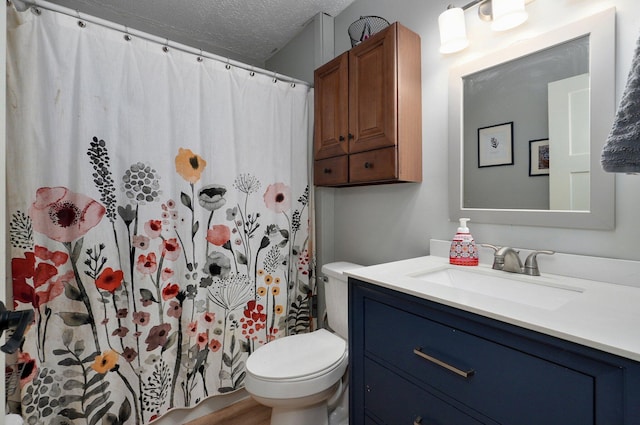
{"x":526,"y":129}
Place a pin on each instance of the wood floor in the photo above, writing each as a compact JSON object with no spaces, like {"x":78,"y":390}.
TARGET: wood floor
{"x":245,"y":412}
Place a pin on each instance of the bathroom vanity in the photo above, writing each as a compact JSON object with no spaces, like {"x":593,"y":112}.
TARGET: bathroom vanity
{"x":427,"y":348}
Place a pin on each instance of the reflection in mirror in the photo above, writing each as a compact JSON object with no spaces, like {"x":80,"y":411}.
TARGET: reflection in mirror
{"x":524,"y":143}
{"x":517,"y":92}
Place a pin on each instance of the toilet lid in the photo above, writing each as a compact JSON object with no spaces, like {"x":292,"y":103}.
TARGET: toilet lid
{"x":297,"y":356}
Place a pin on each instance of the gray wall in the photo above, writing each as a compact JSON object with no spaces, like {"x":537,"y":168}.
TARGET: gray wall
{"x":302,"y":49}
{"x":375,"y":224}
{"x":310,"y":49}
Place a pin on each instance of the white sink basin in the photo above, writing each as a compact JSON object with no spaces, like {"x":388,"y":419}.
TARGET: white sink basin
{"x":535,"y":291}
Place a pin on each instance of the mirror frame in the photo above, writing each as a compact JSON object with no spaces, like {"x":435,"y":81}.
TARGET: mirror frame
{"x":600,"y":28}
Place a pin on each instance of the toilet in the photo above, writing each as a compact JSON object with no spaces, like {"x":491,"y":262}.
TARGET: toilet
{"x":301,"y":376}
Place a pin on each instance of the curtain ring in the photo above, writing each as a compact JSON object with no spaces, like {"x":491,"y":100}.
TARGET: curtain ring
{"x":275,"y":77}
{"x":35,"y":9}
{"x":252,"y":72}
{"x":228,"y":65}
{"x":81,"y":23}
{"x":165,"y":48}
{"x":127,"y":36}
{"x":200,"y":58}
{"x":293,"y":84}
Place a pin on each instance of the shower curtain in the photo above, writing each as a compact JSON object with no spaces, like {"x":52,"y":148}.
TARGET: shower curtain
{"x":159,"y":220}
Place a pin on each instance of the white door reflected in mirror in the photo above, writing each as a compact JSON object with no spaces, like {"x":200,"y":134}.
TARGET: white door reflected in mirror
{"x":569,"y":144}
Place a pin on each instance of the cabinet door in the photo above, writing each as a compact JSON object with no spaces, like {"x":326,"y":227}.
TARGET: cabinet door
{"x":331,"y":116}
{"x":373,"y":102}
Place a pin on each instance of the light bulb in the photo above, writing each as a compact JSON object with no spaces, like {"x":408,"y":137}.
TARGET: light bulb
{"x":453,"y":32}
{"x":507,"y":14}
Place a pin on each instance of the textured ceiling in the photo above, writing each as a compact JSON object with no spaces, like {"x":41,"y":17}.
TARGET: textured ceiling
{"x":246,"y":30}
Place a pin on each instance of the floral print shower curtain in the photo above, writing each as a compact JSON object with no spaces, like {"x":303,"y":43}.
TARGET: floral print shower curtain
{"x":159,"y":221}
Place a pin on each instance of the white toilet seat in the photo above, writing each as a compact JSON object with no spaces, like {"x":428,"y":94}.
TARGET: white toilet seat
{"x":297,"y":365}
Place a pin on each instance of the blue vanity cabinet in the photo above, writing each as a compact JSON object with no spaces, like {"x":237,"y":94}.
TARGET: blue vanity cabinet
{"x":413,"y":361}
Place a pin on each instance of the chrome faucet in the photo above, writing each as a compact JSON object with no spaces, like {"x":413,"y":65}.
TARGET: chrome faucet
{"x":508,"y":259}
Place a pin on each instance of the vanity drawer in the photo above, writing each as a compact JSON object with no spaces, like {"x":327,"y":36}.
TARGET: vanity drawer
{"x":331,"y":171}
{"x":375,"y":165}
{"x":390,"y":399}
{"x":502,"y":383}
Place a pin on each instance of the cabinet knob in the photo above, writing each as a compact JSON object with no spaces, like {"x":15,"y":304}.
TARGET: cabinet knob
{"x":327,"y":170}
{"x":368,"y":165}
{"x":418,"y":421}
{"x":341,"y":138}
{"x":351,"y":136}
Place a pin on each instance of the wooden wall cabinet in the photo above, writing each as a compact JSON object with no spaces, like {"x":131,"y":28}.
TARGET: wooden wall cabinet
{"x":368,"y":112}
{"x":415,"y":361}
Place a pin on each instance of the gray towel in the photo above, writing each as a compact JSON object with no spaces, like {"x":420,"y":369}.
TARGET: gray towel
{"x":621,"y":152}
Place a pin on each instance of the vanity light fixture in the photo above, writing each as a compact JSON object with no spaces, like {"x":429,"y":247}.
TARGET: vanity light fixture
{"x":503,"y":14}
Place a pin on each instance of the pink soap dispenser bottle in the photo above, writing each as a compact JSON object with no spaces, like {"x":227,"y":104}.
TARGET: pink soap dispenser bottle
{"x":463,"y":250}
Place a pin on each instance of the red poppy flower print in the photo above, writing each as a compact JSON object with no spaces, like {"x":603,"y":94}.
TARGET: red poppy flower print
{"x":170,"y":291}
{"x":33,"y":281}
{"x":219,"y":234}
{"x":58,"y":258}
{"x":167,"y":274}
{"x":278,"y":197}
{"x":202,"y":340}
{"x":109,"y":279}
{"x":153,"y":228}
{"x":147,"y":264}
{"x":55,"y":288}
{"x":23,"y":269}
{"x":63,"y":215}
{"x":254,"y":319}
{"x":171,"y":249}
{"x":208,"y":319}
{"x":214,"y":345}
{"x":192,"y":328}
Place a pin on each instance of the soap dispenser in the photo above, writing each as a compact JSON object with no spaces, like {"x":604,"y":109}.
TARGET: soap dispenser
{"x":463,"y":250}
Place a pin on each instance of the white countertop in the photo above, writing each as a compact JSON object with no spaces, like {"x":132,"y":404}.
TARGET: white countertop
{"x":602,"y":315}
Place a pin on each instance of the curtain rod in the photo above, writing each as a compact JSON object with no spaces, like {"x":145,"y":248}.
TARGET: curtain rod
{"x":35,"y":5}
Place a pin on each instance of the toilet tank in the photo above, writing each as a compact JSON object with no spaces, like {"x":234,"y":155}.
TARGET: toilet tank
{"x":336,"y":293}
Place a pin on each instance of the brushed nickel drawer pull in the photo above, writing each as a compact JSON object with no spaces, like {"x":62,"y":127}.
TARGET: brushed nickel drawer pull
{"x":463,"y":373}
